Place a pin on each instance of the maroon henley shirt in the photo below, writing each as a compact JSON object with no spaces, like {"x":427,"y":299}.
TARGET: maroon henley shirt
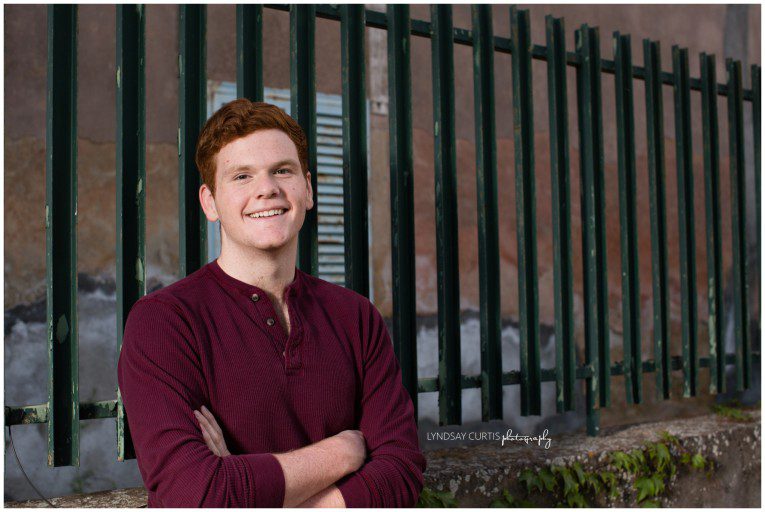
{"x":211,"y":339}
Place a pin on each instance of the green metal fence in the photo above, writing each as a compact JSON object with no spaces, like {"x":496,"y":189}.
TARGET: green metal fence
{"x":63,"y":411}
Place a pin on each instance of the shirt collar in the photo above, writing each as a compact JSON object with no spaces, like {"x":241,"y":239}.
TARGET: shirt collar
{"x":248,"y":289}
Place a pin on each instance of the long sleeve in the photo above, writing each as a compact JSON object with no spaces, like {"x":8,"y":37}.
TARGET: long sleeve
{"x":161,"y":383}
{"x":392,"y":475}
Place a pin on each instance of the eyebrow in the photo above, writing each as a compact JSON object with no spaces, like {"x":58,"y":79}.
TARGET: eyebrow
{"x":287,"y":161}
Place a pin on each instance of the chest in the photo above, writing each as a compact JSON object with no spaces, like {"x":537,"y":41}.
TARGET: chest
{"x":273,"y":392}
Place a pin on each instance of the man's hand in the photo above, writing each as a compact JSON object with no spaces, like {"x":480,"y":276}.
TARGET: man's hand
{"x":212,"y":433}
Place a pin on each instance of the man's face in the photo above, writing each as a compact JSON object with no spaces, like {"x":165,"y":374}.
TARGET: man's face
{"x":256,"y":174}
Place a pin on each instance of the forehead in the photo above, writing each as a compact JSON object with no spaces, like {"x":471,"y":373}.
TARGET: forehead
{"x":259,"y":149}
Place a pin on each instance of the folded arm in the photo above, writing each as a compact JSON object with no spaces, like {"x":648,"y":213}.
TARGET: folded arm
{"x":161,"y":385}
{"x":393,"y":473}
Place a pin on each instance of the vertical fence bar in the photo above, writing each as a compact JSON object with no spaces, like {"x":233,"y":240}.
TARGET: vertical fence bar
{"x":355,"y":223}
{"x":402,"y":196}
{"x":449,"y":364}
{"x":61,"y":238}
{"x":249,"y":52}
{"x":738,"y":216}
{"x":523,"y":127}
{"x":131,"y":179}
{"x":714,"y":243}
{"x":655,"y":133}
{"x":756,"y":92}
{"x":684,"y":152}
{"x":192,"y":112}
{"x":565,"y":348}
{"x":625,"y":135}
{"x":597,"y":355}
{"x":303,"y":110}
{"x":488,"y":228}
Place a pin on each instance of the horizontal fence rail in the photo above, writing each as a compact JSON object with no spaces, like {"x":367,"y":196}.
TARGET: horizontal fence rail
{"x":63,"y":411}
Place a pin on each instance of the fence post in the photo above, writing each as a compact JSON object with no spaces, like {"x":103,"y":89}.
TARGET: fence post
{"x":714,"y":244}
{"x":402,"y":196}
{"x":684,"y":152}
{"x":625,"y":135}
{"x":565,"y":340}
{"x":449,"y":363}
{"x":61,"y":238}
{"x":303,"y":109}
{"x":249,"y":52}
{"x":526,"y":230}
{"x":488,"y":228}
{"x":192,"y":112}
{"x":597,"y":359}
{"x":355,"y":201}
{"x":131,"y":183}
{"x":738,"y":217}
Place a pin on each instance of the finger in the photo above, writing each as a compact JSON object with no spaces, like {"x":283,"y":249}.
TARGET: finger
{"x":210,"y":444}
{"x":206,"y":412}
{"x":216,"y":436}
{"x":206,"y":433}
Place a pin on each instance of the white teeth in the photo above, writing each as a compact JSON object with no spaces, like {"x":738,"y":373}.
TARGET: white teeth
{"x":268,"y":213}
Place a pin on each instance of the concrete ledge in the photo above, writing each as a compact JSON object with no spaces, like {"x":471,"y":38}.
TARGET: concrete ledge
{"x":478,"y":474}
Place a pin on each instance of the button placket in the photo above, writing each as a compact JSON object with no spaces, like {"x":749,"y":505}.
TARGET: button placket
{"x":263,"y":309}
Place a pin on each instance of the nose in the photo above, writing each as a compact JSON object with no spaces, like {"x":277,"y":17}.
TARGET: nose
{"x":266,"y":185}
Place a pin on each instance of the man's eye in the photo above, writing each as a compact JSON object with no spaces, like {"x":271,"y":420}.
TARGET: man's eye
{"x":278,"y":171}
{"x":240,"y":176}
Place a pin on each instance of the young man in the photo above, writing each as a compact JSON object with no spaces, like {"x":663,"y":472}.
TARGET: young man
{"x":250,"y":383}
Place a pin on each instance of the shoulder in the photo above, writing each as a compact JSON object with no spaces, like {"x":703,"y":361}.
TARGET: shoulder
{"x":170,"y":308}
{"x":179,"y":297}
{"x":334,"y":296}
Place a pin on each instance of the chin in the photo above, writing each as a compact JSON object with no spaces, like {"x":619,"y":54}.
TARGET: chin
{"x":269,"y":246}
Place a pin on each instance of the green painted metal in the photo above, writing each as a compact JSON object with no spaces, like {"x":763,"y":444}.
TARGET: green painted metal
{"x":593,"y":224}
{"x":249,"y":51}
{"x":35,"y":414}
{"x":565,"y":340}
{"x":655,"y":134}
{"x":738,"y":217}
{"x":488,"y":226}
{"x":131,"y":180}
{"x":713,"y":216}
{"x":756,"y":121}
{"x":523,"y":129}
{"x":449,"y":364}
{"x":684,"y":152}
{"x":565,"y":347}
{"x":26,"y":415}
{"x":625,"y":136}
{"x":192,"y":112}
{"x":303,"y":110}
{"x":355,"y":223}
{"x":402,"y":196}
{"x":61,"y":237}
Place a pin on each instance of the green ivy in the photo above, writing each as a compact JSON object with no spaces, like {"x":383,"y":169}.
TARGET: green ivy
{"x":735,"y":411}
{"x":430,"y":498}
{"x":650,"y":468}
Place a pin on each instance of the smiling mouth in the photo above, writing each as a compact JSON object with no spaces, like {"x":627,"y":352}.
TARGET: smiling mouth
{"x":269,"y":214}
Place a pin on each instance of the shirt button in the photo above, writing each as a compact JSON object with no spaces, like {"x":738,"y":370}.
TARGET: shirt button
{"x":284,"y":354}
{"x":270,"y":321}
{"x":255,"y":297}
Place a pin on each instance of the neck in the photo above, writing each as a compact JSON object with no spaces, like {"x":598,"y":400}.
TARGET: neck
{"x":270,"y":271}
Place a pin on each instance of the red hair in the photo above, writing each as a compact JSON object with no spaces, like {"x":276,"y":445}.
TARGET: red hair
{"x":240,"y":118}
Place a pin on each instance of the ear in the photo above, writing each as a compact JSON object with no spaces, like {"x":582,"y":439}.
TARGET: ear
{"x":309,"y":203}
{"x":207,"y":201}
